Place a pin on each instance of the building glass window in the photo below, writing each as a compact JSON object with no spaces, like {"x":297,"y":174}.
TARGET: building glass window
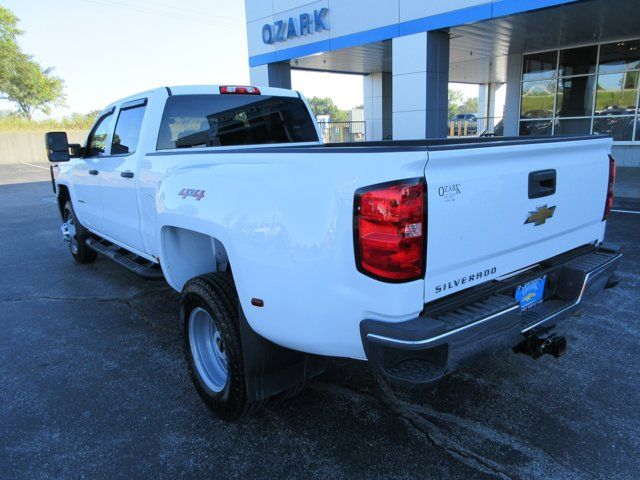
{"x":536,"y":127}
{"x":575,"y":96}
{"x":540,"y":65}
{"x":620,"y":128}
{"x":577,"y":61}
{"x":538,"y":98}
{"x":617,"y":94}
{"x":620,"y":56}
{"x":583,"y":90}
{"x":573,"y":126}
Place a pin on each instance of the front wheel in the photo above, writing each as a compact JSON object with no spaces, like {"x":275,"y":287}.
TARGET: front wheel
{"x":76,"y":235}
{"x":209,"y":316}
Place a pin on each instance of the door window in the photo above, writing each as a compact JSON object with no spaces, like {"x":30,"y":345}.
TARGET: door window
{"x":97,"y":142}
{"x":127,"y":133}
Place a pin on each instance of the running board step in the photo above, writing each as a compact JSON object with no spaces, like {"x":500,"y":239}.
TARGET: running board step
{"x":136,"y":264}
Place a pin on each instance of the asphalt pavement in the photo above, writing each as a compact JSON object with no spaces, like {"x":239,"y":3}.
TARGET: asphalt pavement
{"x":93,"y":384}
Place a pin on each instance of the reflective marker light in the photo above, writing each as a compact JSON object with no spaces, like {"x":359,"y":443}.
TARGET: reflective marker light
{"x":239,"y":90}
{"x":257,"y":302}
{"x":612,"y":176}
{"x":390,"y":230}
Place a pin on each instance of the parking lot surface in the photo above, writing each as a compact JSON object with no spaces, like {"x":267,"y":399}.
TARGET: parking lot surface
{"x":93,"y":384}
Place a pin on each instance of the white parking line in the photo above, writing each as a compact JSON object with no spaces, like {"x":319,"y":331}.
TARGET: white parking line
{"x":32,"y":165}
{"x":626,"y":211}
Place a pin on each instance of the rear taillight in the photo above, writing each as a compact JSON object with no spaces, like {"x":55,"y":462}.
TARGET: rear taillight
{"x":612,"y":176}
{"x":390,"y":230}
{"x":239,"y":90}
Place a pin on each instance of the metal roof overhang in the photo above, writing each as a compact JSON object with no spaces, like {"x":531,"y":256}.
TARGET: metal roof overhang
{"x":478,"y":51}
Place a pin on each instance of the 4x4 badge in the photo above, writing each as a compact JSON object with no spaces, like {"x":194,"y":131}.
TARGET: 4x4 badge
{"x":190,"y":192}
{"x":540,"y":215}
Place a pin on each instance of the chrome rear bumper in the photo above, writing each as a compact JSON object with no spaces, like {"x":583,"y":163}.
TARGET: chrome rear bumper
{"x":423,"y":350}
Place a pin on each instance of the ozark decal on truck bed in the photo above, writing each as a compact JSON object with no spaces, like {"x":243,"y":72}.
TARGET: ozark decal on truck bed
{"x":190,"y":192}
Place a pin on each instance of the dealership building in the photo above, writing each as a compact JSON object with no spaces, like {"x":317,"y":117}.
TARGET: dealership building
{"x":564,"y":66}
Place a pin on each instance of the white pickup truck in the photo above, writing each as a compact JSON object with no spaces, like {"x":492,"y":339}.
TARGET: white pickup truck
{"x":416,"y":256}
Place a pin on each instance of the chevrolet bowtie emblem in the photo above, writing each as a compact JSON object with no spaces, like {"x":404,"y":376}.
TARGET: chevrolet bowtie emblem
{"x":540,"y":215}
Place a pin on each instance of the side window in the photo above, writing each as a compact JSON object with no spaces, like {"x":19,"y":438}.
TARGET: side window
{"x":125,"y":137}
{"x":97,"y":142}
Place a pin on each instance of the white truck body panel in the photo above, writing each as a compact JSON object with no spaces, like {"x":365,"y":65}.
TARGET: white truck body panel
{"x":481,"y":228}
{"x":284,"y":217}
{"x":285,"y":245}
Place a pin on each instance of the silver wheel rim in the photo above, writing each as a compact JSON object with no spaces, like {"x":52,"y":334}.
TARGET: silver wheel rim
{"x":208,"y":350}
{"x":71,"y":229}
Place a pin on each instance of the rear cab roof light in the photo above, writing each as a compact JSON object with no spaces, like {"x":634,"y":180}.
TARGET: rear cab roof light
{"x":239,"y":90}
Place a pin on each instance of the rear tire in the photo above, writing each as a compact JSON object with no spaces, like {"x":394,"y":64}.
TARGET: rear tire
{"x":212,"y":345}
{"x":78,"y":236}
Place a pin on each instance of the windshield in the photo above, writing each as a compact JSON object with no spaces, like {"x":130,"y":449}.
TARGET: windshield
{"x":223,"y":120}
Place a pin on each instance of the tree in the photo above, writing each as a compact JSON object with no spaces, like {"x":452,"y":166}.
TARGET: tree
{"x":8,"y":46}
{"x":459,"y":104}
{"x":456,"y":97}
{"x":22,"y":80}
{"x":325,"y":106}
{"x":33,"y":88}
{"x":470,"y":105}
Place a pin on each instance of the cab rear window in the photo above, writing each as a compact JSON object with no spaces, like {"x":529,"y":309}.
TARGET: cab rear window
{"x":223,"y":120}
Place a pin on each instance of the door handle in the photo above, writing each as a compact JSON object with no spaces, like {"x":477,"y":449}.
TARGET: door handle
{"x":93,"y":172}
{"x":126,"y":174}
{"x":542,"y":183}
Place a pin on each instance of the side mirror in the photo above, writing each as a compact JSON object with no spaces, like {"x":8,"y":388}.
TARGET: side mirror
{"x":57,"y":146}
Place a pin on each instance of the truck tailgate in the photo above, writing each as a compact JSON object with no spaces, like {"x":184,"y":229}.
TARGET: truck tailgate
{"x":482,"y":223}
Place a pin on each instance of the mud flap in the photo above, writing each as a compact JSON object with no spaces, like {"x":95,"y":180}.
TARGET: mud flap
{"x":270,"y":369}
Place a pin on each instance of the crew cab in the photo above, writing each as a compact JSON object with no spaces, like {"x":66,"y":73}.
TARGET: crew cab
{"x":416,"y":256}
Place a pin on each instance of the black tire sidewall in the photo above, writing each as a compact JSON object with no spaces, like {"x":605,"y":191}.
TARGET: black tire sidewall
{"x":223,"y":395}
{"x":84,"y":254}
{"x":231,"y":402}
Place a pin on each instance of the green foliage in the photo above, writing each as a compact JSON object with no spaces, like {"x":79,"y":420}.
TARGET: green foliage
{"x":458,"y":103}
{"x":8,"y":46}
{"x":456,"y":98}
{"x":325,"y":106}
{"x":12,"y":122}
{"x":22,"y":80}
{"x":470,"y":105}
{"x":616,"y":98}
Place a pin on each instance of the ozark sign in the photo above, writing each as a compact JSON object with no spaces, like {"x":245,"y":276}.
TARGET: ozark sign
{"x":304,"y":24}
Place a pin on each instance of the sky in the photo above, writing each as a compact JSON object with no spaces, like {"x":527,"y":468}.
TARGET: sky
{"x":109,"y":49}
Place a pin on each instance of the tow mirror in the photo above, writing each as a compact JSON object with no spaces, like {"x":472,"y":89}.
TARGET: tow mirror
{"x":57,"y":146}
